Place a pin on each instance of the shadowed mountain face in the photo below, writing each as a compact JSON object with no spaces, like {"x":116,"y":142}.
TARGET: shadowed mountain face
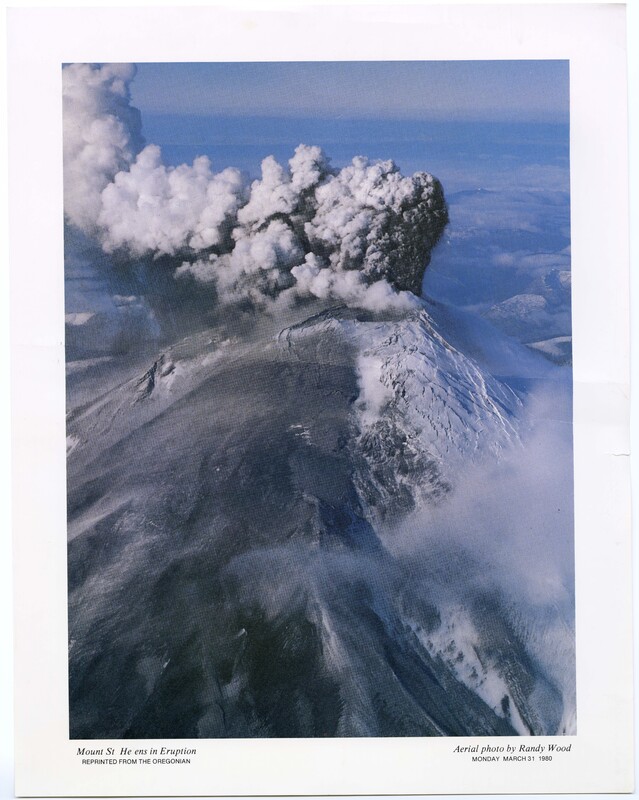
{"x":232,"y":507}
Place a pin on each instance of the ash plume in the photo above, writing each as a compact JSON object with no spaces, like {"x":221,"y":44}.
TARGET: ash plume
{"x":361,"y":235}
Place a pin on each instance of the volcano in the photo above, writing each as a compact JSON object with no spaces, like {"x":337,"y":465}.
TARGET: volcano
{"x":233,"y":500}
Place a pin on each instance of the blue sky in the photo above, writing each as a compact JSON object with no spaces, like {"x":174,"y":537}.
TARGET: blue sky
{"x":502,"y":91}
{"x":472,"y":123}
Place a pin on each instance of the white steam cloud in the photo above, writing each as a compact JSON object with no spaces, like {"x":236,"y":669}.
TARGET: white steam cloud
{"x":153,"y":209}
{"x":102,"y":133}
{"x":362,"y":235}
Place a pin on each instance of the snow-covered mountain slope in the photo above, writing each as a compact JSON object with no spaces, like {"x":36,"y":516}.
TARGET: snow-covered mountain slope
{"x":529,"y":316}
{"x":231,"y":512}
{"x":557,"y":349}
{"x":423,"y":407}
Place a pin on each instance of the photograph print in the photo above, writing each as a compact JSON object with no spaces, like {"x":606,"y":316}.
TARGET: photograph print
{"x":319,"y":399}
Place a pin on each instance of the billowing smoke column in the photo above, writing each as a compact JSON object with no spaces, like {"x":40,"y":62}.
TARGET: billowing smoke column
{"x":102,"y":134}
{"x":362,"y":235}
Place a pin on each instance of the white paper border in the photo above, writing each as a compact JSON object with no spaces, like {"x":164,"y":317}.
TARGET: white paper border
{"x":593,"y":38}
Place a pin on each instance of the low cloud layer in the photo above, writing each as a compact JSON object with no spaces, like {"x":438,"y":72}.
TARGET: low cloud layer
{"x":361,"y":235}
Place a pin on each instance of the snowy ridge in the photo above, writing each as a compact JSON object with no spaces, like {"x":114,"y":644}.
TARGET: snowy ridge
{"x":442,"y":396}
{"x":440,"y":411}
{"x":423,"y":410}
